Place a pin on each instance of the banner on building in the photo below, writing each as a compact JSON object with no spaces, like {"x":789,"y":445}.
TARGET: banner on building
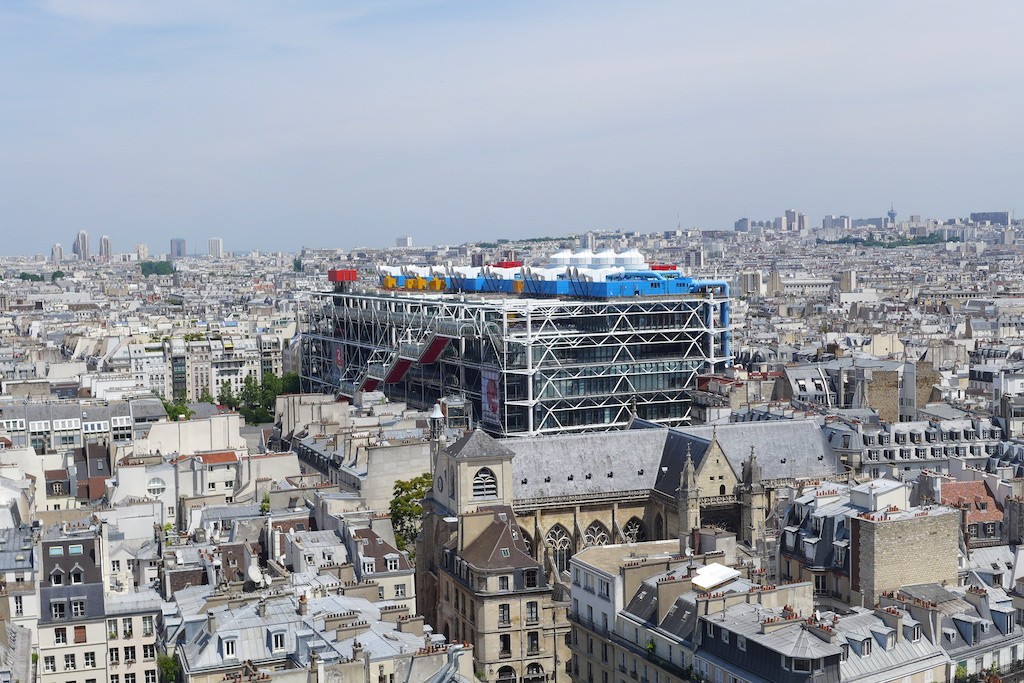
{"x":490,"y":392}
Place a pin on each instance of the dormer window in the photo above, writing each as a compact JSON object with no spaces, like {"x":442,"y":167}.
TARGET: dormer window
{"x":865,"y":647}
{"x":229,"y":648}
{"x":369,"y":566}
{"x":802,"y":665}
{"x":277,"y":642}
{"x":915,"y":633}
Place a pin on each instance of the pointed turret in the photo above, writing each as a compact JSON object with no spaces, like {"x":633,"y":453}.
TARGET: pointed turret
{"x":752,"y":503}
{"x":687,"y":503}
{"x":752,"y":471}
{"x":688,"y":476}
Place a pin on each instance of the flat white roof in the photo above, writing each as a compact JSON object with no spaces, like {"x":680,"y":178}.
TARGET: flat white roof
{"x":712,"y":575}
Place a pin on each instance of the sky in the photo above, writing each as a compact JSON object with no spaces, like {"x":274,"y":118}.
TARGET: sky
{"x":277,"y":125}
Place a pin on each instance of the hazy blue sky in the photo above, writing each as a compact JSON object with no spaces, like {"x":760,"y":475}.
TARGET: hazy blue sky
{"x":281,"y":124}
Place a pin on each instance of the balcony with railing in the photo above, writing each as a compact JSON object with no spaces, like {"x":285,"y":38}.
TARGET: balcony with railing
{"x":641,"y":651}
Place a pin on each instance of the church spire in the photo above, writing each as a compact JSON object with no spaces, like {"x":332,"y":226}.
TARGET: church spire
{"x":688,"y":476}
{"x":751,"y":470}
{"x":687,"y":503}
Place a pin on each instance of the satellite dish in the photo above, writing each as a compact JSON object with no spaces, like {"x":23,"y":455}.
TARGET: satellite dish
{"x":817,"y":615}
{"x":689,"y":552}
{"x":266,"y":580}
{"x":254,"y":574}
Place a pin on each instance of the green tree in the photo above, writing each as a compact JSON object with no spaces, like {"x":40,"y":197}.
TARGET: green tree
{"x":30,"y":277}
{"x":290,"y":383}
{"x":270,"y":390}
{"x":265,"y":504}
{"x":226,"y":397}
{"x":206,"y":397}
{"x":297,"y":265}
{"x":156,"y":268}
{"x":56,"y":275}
{"x":177,"y":410}
{"x":169,"y":668}
{"x":252,"y":402}
{"x":250,"y":396}
{"x":407,"y":508}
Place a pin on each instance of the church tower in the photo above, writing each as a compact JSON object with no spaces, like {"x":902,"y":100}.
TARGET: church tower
{"x":473,"y":472}
{"x":752,"y":503}
{"x":688,"y":503}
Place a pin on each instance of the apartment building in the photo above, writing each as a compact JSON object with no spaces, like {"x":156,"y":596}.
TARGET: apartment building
{"x":635,"y":608}
{"x":132,"y":621}
{"x":19,"y":594}
{"x":72,"y":621}
{"x":854,"y":543}
{"x":648,"y":612}
{"x":149,"y":367}
{"x":338,"y":637}
{"x":378,"y":560}
{"x":61,"y":425}
{"x":977,"y":626}
{"x":981,"y":515}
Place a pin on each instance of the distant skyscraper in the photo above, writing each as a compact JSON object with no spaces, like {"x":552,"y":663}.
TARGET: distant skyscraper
{"x":57,"y":253}
{"x":835,"y":222}
{"x":216,"y":247}
{"x":403,"y":242}
{"x":794,"y":220}
{"x":993,"y":217}
{"x":142,"y":251}
{"x":177,"y":248}
{"x":105,"y":248}
{"x":81,"y":246}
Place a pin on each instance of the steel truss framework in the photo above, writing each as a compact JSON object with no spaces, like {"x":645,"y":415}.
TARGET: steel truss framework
{"x":561,"y":365}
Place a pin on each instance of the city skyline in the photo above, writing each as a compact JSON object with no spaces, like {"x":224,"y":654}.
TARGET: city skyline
{"x":812,"y":222}
{"x":432,"y":120}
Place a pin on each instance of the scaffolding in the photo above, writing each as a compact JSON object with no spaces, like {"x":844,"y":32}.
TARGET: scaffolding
{"x":527,"y":365}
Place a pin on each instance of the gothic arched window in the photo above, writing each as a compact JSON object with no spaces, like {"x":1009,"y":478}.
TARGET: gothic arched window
{"x":561,"y":546}
{"x":596,"y":534}
{"x":634,"y":531}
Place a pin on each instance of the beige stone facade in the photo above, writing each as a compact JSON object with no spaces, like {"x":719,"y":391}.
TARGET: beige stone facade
{"x":910,"y":550}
